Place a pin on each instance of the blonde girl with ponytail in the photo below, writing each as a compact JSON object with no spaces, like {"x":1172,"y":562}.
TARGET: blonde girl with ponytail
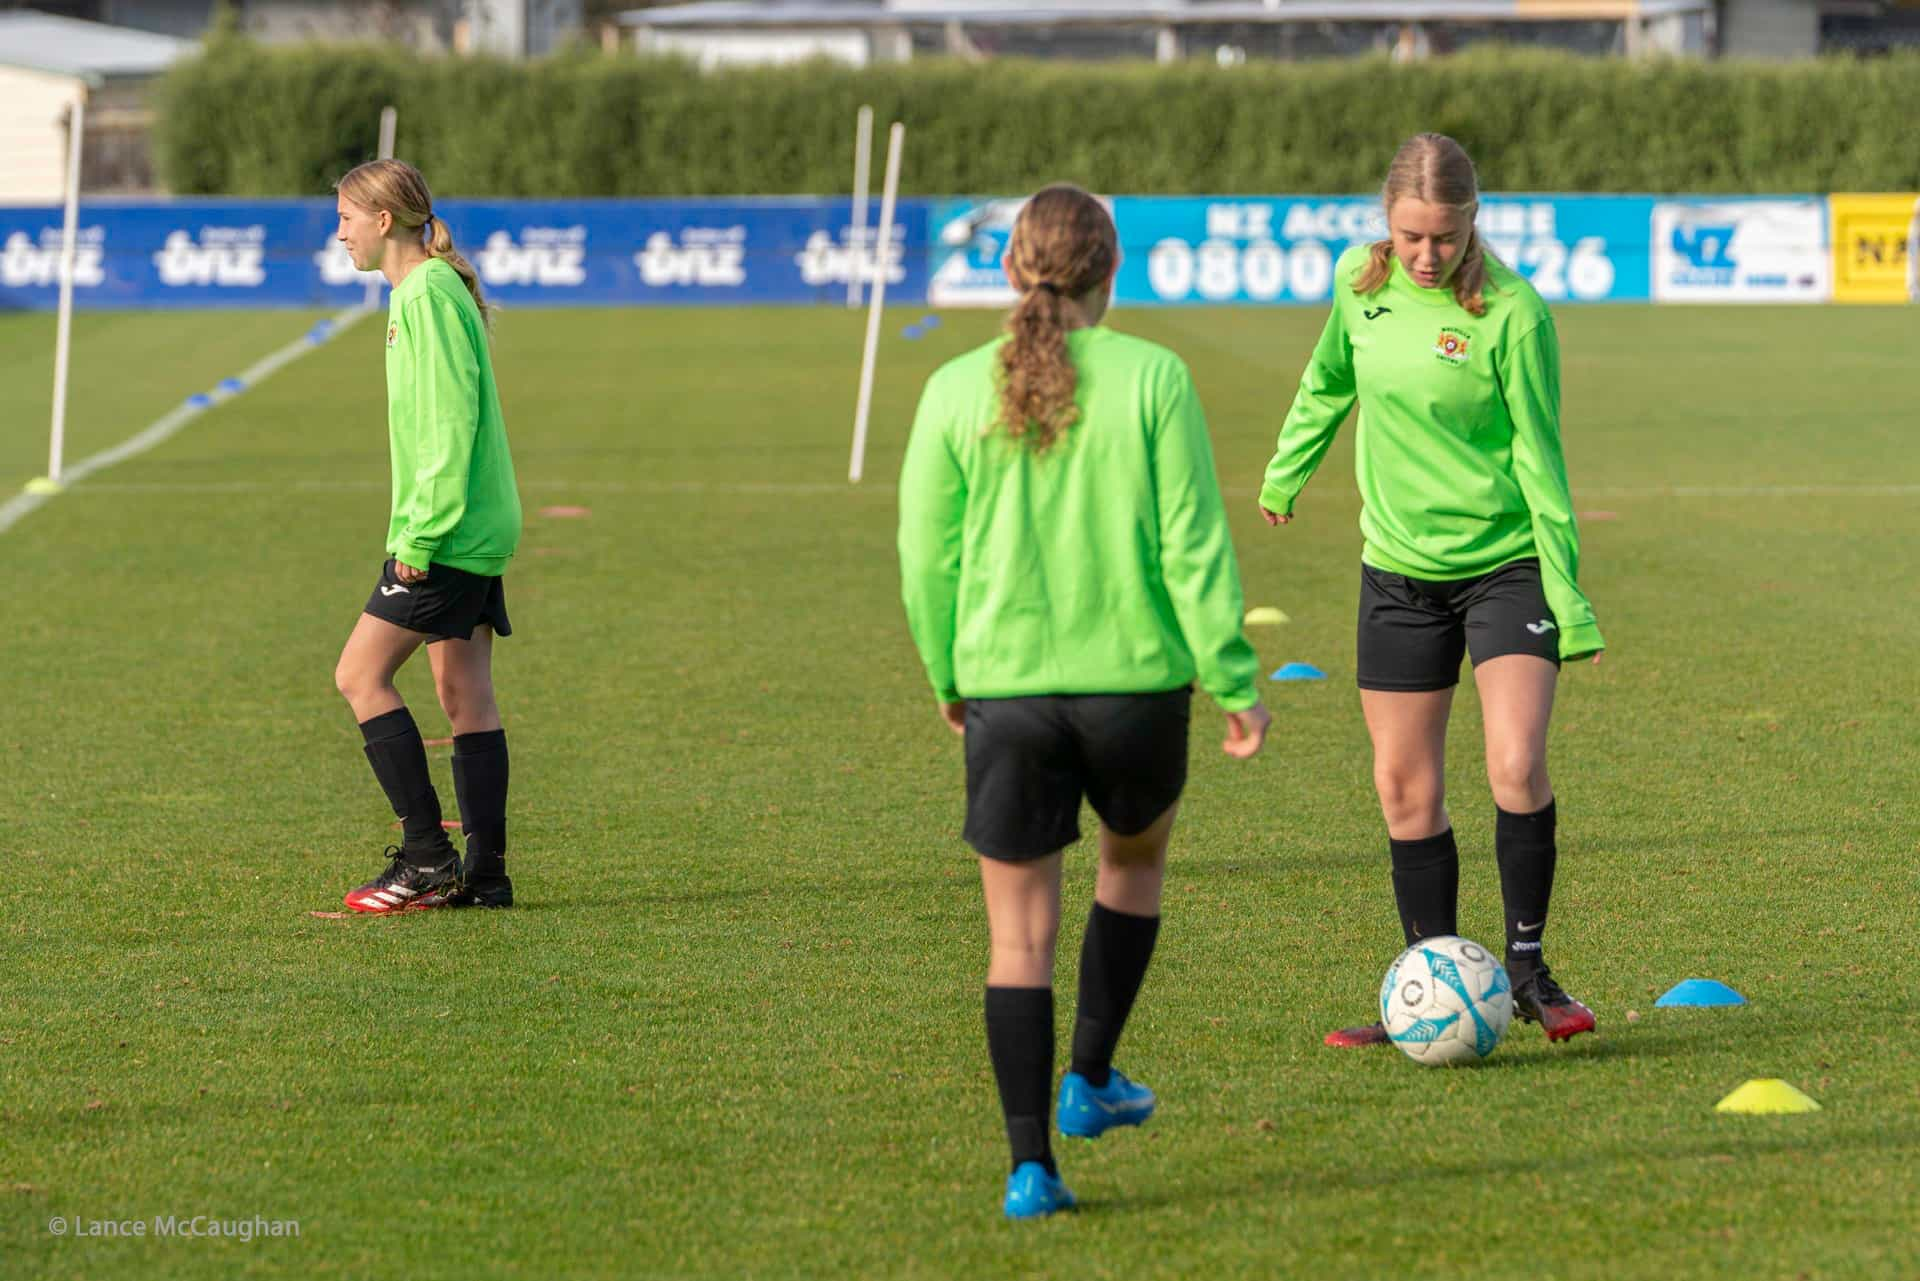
{"x":1068,"y":576}
{"x":1471,"y":548}
{"x":453,"y":530}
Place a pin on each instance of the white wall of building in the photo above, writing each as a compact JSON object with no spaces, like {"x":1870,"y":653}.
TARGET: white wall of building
{"x":33,"y":133}
{"x":510,"y":28}
{"x":1769,"y":28}
{"x":712,"y":49}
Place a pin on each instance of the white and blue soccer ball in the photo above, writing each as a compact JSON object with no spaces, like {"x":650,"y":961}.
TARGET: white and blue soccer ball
{"x":1446,"y":1000}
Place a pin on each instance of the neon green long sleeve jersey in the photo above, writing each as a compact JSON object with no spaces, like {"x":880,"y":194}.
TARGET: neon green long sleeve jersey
{"x":454,"y":498}
{"x":1458,"y":448}
{"x":1102,"y":566}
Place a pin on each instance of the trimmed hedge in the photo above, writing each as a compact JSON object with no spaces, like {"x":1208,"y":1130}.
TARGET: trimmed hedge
{"x":247,"y":119}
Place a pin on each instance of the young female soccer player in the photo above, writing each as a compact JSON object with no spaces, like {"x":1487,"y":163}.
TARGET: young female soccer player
{"x":1067,"y":573}
{"x":454,"y":528}
{"x":1470,"y":543}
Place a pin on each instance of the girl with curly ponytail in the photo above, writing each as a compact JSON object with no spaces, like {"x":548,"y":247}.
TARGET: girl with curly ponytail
{"x":1068,"y":576}
{"x":1061,"y":257}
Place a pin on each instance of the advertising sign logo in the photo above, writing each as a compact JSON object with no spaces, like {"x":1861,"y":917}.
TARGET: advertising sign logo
{"x":549,"y":256}
{"x":707,"y":257}
{"x":25,"y":264}
{"x":1873,"y":246}
{"x":222,"y":257}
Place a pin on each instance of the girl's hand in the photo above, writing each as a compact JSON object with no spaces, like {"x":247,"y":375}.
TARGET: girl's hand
{"x":1273,"y":519}
{"x":407,"y":573}
{"x":1246,"y":731}
{"x":955,"y":716}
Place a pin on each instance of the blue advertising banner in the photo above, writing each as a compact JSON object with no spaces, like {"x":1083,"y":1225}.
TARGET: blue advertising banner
{"x":1251,"y":250}
{"x":200,"y":253}
{"x":1573,"y":248}
{"x":1586,"y":248}
{"x":1177,"y":251}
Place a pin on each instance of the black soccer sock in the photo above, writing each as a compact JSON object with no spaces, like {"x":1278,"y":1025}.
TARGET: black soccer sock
{"x":1426,"y":885}
{"x":399,"y":761}
{"x":480,"y":787}
{"x":1525,"y":847}
{"x":1020,"y":1042}
{"x":1113,"y":961}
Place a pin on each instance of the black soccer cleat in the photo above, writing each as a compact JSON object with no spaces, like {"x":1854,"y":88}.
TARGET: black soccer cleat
{"x":1540,"y":1000}
{"x":481,"y":891}
{"x":407,"y":886}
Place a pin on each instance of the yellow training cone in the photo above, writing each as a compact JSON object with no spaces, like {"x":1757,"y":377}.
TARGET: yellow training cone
{"x":1266,"y":615}
{"x":1765,"y":1097}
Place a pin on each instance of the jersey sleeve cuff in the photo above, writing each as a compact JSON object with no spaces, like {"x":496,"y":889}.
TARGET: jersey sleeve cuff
{"x":1580,"y":640}
{"x":1277,"y":501}
{"x":1237,"y":700}
{"x":418,"y":555}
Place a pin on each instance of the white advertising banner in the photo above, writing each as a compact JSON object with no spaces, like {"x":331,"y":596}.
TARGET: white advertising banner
{"x":1741,"y":251}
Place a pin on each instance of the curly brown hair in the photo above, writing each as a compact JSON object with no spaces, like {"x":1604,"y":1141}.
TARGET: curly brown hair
{"x":1434,"y":168}
{"x":1064,"y":247}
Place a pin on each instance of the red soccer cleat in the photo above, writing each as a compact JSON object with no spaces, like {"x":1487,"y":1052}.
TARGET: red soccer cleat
{"x":1349,"y":1037}
{"x":1541,"y":1000}
{"x":407,"y":886}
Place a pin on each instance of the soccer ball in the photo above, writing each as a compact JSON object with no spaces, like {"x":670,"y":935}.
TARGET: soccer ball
{"x":1446,"y":1000}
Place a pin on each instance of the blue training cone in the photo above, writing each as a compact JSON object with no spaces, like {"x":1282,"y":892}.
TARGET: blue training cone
{"x":1299,"y":672}
{"x":910,"y":333}
{"x":1699,"y":992}
{"x":929,"y":322}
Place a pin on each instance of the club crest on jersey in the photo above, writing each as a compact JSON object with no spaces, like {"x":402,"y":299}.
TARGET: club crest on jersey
{"x":393,"y":333}
{"x":1451,"y":346}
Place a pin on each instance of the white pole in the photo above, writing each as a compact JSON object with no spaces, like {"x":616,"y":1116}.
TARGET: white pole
{"x":862,"y":162}
{"x":882,"y":258}
{"x":389,"y":123}
{"x":62,"y":343}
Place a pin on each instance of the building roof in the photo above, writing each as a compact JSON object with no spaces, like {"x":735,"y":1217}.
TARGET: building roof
{"x":711,"y":15}
{"x":90,"y":51}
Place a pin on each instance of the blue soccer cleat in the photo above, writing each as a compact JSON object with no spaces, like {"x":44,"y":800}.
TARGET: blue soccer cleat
{"x":1088,"y":1113}
{"x":1032,"y":1193}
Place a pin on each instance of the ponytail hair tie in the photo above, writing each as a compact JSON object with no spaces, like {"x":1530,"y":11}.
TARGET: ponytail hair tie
{"x":1049,"y":287}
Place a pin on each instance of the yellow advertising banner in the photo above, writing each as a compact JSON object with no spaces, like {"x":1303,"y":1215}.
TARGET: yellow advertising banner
{"x":1871,"y":235}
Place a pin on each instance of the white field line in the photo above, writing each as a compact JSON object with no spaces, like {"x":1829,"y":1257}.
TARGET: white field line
{"x":169,"y":424}
{"x":1752,"y":491}
{"x":572,"y":486}
{"x":840,"y":487}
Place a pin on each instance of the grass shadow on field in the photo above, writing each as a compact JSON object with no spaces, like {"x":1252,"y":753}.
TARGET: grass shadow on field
{"x":787,"y":893}
{"x":1641,"y":1042}
{"x":1313,"y":1180}
{"x":1558,"y":1058}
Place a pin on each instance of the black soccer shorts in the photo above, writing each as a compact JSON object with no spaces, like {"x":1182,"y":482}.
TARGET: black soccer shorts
{"x":1031,"y":760}
{"x":1414,"y":632}
{"x":447,"y":604}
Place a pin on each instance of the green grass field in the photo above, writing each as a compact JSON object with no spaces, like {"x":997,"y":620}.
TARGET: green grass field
{"x":733,"y":1029}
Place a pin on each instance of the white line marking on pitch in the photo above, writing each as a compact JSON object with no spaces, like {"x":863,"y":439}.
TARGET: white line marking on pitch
{"x":592,"y":486}
{"x":169,"y":424}
{"x":1754,"y":491}
{"x":838,"y":487}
